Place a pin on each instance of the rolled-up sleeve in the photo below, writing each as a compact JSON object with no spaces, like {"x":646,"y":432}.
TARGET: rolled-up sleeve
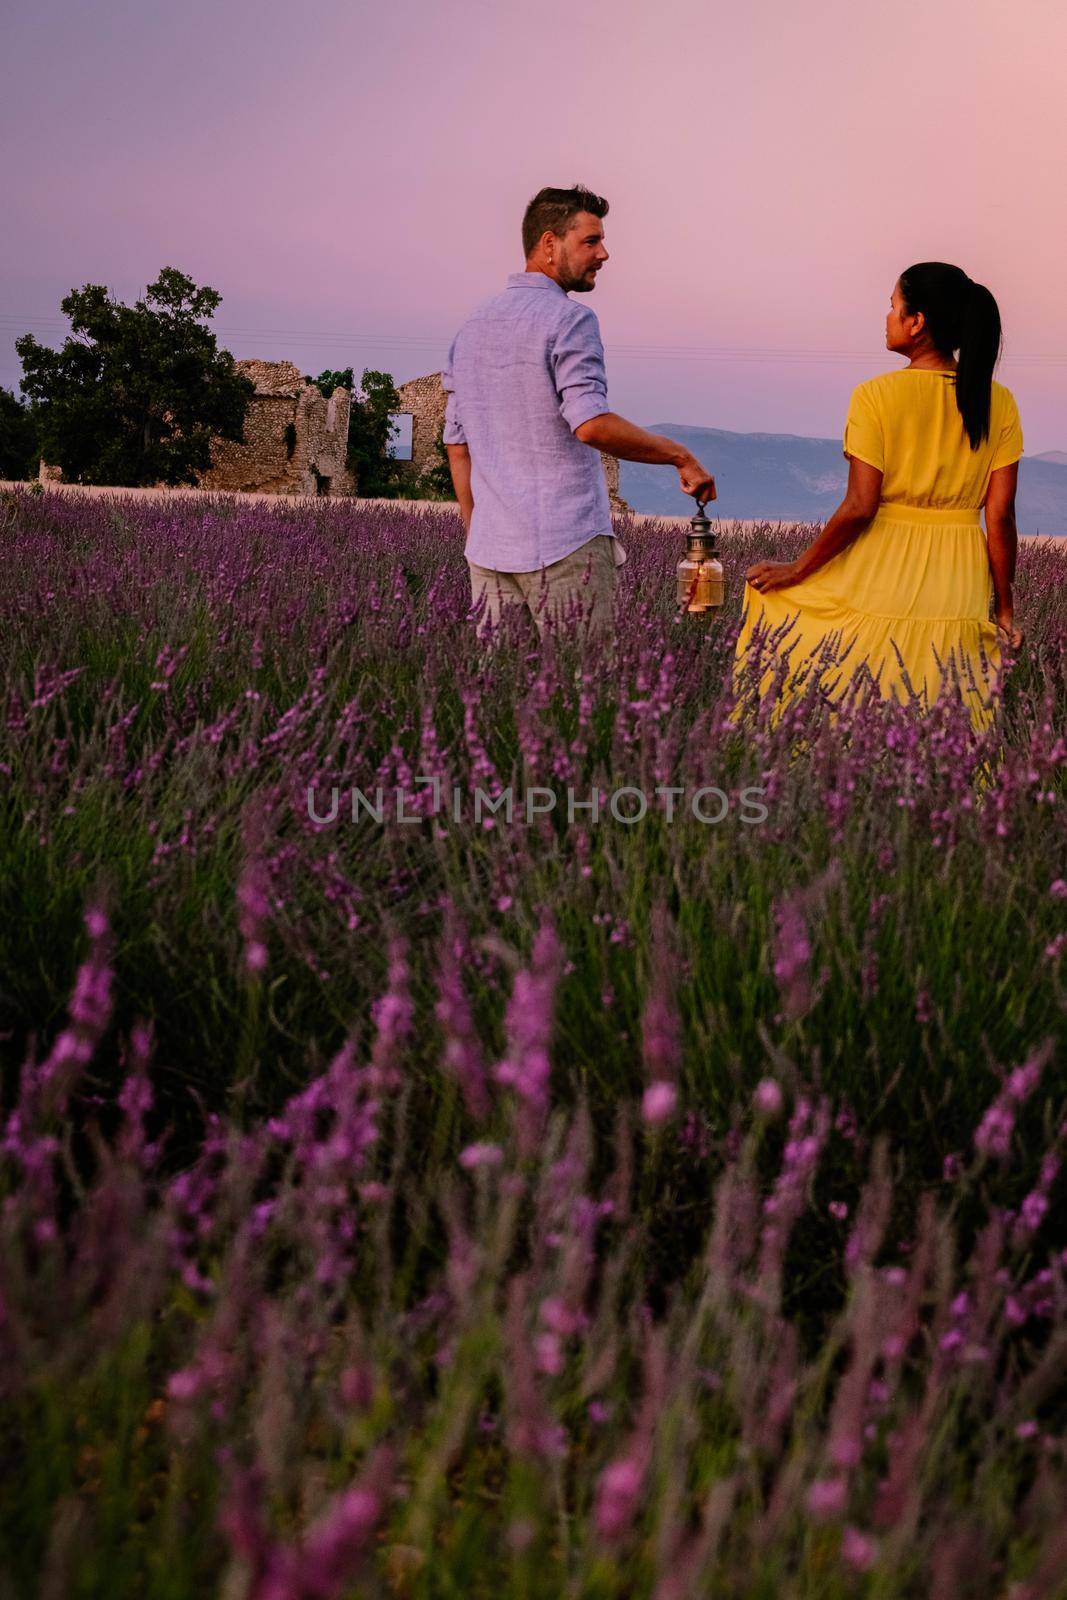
{"x":453,"y":429}
{"x":577,"y":357}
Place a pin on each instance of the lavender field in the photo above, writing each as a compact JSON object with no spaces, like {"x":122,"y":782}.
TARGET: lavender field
{"x":450,"y":1203}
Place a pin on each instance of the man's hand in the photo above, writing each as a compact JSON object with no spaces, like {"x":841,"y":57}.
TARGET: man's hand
{"x":627,"y":442}
{"x":696,"y":480}
{"x":768,"y":575}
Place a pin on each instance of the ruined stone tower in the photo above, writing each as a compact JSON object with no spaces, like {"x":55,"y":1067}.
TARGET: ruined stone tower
{"x":296,"y":440}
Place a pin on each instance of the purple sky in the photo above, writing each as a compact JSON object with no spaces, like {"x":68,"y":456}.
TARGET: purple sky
{"x":351,"y":176}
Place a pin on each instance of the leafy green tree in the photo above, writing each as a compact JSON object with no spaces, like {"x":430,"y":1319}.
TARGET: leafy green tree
{"x":328,"y":381}
{"x":371,"y":431}
{"x":434,"y":483}
{"x":136,"y":393}
{"x":19,"y":451}
{"x":438,"y":478}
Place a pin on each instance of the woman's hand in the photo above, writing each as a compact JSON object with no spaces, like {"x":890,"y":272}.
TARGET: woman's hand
{"x":767,"y":575}
{"x":1007,"y":632}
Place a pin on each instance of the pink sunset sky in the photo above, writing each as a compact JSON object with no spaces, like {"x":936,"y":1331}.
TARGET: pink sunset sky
{"x":351,"y":176}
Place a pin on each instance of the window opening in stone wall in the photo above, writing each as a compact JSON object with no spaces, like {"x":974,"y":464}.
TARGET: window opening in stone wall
{"x":400,"y":446}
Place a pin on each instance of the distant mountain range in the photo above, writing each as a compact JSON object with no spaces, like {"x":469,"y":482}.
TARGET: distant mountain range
{"x":785,"y":477}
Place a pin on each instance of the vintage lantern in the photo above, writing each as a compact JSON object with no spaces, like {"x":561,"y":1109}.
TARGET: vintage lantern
{"x":700,"y":578}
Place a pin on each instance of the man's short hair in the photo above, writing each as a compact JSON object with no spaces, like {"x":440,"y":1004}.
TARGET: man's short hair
{"x":554,"y":211}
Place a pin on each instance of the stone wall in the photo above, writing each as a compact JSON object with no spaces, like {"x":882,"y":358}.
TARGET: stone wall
{"x":296,"y":440}
{"x":611,"y":472}
{"x":424,"y":399}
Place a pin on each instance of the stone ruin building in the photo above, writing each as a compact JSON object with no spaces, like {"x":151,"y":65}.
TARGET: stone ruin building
{"x":423,"y":399}
{"x":296,"y":440}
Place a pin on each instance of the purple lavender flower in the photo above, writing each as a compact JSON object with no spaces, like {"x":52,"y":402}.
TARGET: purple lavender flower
{"x":658,"y":1103}
{"x":767,"y":1098}
{"x":791,"y":954}
{"x":480,"y":1155}
{"x":827,"y":1498}
{"x":617,"y":1492}
{"x":393,"y":1014}
{"x":993,"y":1135}
{"x":463,"y":1058}
{"x":253,"y":894}
{"x":858,"y":1549}
{"x":526,"y":1067}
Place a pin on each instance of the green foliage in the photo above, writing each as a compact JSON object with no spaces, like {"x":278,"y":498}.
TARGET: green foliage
{"x":329,"y":380}
{"x":19,"y":450}
{"x":371,"y":431}
{"x":438,"y":479}
{"x":136,"y":393}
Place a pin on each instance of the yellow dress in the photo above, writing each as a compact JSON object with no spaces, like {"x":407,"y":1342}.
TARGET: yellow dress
{"x":918,"y":575}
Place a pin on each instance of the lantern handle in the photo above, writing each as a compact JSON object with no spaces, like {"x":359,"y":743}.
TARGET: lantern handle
{"x":702,"y":511}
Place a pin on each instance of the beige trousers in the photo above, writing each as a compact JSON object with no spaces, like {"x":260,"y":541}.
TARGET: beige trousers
{"x":577,"y":592}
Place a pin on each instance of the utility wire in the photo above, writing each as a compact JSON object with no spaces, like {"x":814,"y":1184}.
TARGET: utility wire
{"x":10,"y":322}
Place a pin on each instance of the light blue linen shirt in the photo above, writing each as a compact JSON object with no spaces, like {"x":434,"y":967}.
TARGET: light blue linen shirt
{"x":525,"y":370}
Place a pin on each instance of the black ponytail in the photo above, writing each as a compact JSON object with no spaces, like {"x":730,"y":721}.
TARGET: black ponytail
{"x":979,"y":349}
{"x":960,"y":315}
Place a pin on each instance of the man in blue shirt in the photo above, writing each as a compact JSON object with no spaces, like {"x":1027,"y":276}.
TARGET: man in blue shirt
{"x":526,"y":417}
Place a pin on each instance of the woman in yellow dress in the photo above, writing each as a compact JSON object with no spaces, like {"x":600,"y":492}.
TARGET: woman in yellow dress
{"x":903,"y":562}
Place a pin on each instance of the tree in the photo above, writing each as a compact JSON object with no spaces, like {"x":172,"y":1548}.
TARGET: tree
{"x":438,"y":478}
{"x":136,"y":393}
{"x":328,"y":381}
{"x":19,"y":450}
{"x":433,"y":483}
{"x":371,"y":431}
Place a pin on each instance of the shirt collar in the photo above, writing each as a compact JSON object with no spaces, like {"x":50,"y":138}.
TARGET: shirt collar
{"x":533,"y":280}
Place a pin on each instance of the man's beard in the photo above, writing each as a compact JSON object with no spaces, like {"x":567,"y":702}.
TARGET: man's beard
{"x":572,"y":285}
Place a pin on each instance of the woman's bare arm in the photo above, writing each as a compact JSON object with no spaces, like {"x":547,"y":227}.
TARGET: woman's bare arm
{"x":1002,"y":542}
{"x":846,"y":524}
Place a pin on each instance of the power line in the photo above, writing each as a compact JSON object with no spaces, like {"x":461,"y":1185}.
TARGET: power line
{"x":628,"y":351}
